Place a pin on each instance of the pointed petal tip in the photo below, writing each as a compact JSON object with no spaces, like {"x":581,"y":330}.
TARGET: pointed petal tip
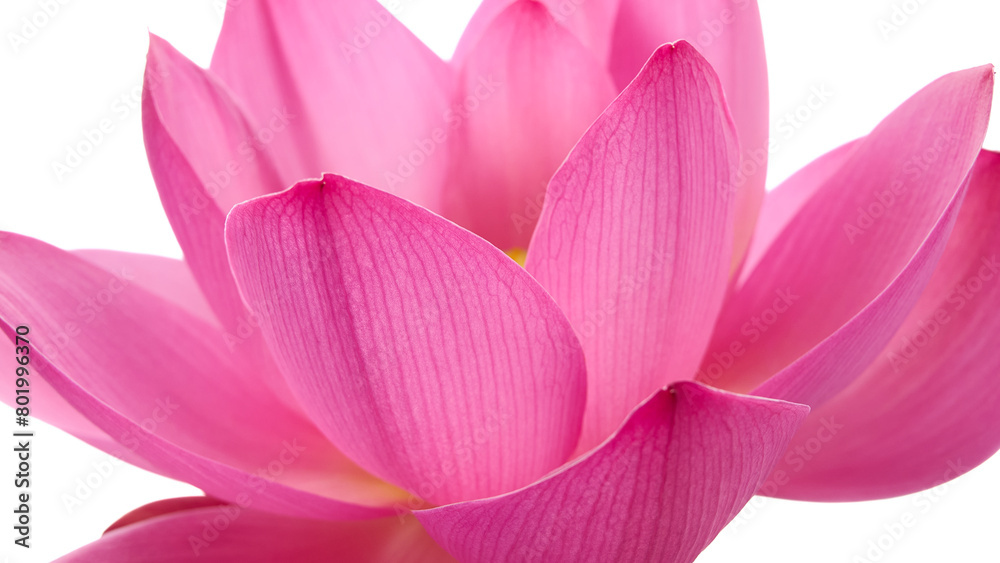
{"x":690,"y":454}
{"x":695,"y":391}
{"x":977,"y":79}
{"x":326,"y":180}
{"x":583,"y":277}
{"x":535,"y":7}
{"x":159,"y":48}
{"x":682,"y":50}
{"x":161,"y":57}
{"x":667,"y":50}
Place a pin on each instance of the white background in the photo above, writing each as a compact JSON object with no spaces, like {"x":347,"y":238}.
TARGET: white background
{"x":86,"y":65}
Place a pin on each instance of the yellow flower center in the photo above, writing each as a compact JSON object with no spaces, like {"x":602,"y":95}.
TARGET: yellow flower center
{"x":518,"y":255}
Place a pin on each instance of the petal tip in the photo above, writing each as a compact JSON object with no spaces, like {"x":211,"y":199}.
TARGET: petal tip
{"x":678,"y":47}
{"x":159,"y":49}
{"x":695,"y":391}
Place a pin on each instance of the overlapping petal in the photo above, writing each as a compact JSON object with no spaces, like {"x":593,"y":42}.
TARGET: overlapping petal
{"x":436,"y":363}
{"x":635,"y":239}
{"x":925,"y":411}
{"x":239,"y":534}
{"x":161,"y":508}
{"x":168,"y":278}
{"x":591,"y":21}
{"x":841,"y":277}
{"x":728,"y":34}
{"x":362,"y":96}
{"x":164,"y":277}
{"x":203,"y":163}
{"x":526,"y":93}
{"x":660,"y":489}
{"x":421,"y":350}
{"x":784,"y":202}
{"x":159,"y":383}
{"x":48,"y":405}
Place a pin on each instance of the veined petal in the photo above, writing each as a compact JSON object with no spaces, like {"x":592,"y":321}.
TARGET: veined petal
{"x":591,"y":21}
{"x":240,"y":534}
{"x":425,"y":353}
{"x":728,"y":34}
{"x":362,"y":96}
{"x":660,"y":489}
{"x":841,"y":277}
{"x":526,"y":93}
{"x":634,"y":241}
{"x":159,"y":382}
{"x":925,"y":411}
{"x":194,"y":134}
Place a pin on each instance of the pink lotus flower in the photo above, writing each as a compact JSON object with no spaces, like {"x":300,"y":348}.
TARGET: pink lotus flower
{"x":351,"y":376}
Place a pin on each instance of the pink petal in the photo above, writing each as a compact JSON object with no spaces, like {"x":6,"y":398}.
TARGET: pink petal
{"x":159,"y":382}
{"x":48,"y":405}
{"x":925,"y":411}
{"x":728,"y":34}
{"x":169,"y":279}
{"x":837,"y":283}
{"x":161,"y":508}
{"x":193,"y":135}
{"x":591,"y":21}
{"x":783,"y":203}
{"x":166,"y":278}
{"x":240,"y":534}
{"x":421,"y":350}
{"x":634,"y":242}
{"x":660,"y":489}
{"x":360,"y":94}
{"x":527,"y":91}
{"x":212,"y":132}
